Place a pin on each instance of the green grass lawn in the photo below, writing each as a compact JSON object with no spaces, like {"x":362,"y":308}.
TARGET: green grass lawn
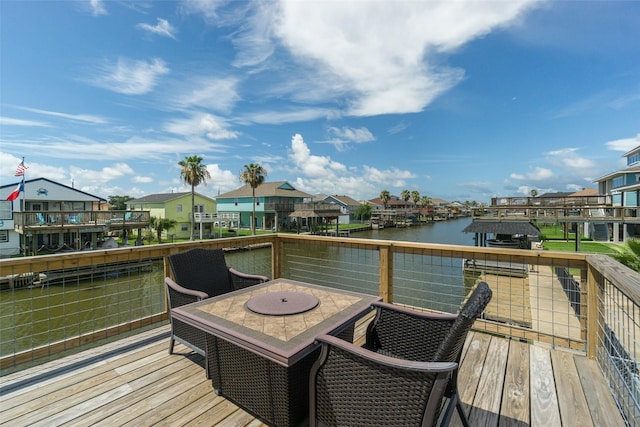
{"x":586,"y":246}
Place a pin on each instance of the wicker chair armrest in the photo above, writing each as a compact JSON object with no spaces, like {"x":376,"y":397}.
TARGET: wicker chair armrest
{"x":241,"y":280}
{"x":414,"y":313}
{"x":387,"y":360}
{"x":257,"y":277}
{"x":176,"y":287}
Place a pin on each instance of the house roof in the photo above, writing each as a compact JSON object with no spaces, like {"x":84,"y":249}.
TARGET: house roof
{"x":631,"y":169}
{"x":35,"y":180}
{"x":502,"y":227}
{"x":345,"y":200}
{"x":163,"y":197}
{"x":585,"y":192}
{"x":267,"y":189}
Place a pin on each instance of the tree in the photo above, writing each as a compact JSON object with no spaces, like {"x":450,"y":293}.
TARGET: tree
{"x":119,"y":203}
{"x":253,"y":175}
{"x":385,"y":196}
{"x":162,"y":224}
{"x":425,"y":201}
{"x":629,"y":254}
{"x":405,"y":195}
{"x":363,"y":212}
{"x":193,"y":173}
{"x":415,"y":196}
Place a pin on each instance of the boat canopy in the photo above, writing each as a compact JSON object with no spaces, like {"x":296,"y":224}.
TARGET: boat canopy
{"x":502,"y":227}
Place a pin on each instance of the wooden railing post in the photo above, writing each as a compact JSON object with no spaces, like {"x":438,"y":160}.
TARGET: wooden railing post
{"x":386,"y":273}
{"x":277,"y":256}
{"x":594,"y":298}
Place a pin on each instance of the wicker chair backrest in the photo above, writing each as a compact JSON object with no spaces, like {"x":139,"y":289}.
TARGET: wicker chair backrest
{"x":450,"y":347}
{"x":203,"y":270}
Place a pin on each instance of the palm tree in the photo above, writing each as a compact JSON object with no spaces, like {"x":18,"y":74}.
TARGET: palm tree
{"x":415,"y":196}
{"x":253,"y":175}
{"x":629,"y":254}
{"x":405,"y":195}
{"x":384,"y":197}
{"x":162,"y":224}
{"x":194,"y":173}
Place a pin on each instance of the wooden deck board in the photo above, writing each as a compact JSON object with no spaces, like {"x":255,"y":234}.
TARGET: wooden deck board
{"x":604,"y":412}
{"x":486,"y":405}
{"x":515,"y":394}
{"x":544,"y":399}
{"x":501,"y":382}
{"x":573,"y":406}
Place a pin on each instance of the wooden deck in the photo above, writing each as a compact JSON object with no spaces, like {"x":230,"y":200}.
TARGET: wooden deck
{"x":136,"y":382}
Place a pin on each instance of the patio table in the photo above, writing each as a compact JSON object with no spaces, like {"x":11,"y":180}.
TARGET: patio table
{"x":261,"y":342}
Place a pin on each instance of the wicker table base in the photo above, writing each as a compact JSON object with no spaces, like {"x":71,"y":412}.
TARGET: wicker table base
{"x":277,"y":395}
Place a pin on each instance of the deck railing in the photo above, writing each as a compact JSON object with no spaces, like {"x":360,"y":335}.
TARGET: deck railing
{"x":50,"y":221}
{"x":586,"y":303}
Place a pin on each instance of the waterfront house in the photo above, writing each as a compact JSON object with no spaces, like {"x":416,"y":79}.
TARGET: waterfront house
{"x":624,"y":188}
{"x":49,"y":215}
{"x":348,"y":206}
{"x":275,"y":201}
{"x":177,"y":206}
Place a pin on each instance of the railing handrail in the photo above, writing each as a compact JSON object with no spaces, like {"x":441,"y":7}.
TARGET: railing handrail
{"x":604,"y":289}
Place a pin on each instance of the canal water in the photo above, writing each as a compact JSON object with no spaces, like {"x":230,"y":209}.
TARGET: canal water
{"x":33,"y":317}
{"x":446,"y":232}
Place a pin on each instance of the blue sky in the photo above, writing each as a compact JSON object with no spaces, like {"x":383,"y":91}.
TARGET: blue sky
{"x":458,"y":100}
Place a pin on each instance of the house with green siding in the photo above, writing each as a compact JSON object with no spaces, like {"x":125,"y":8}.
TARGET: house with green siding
{"x":274,"y":202}
{"x":177,"y":206}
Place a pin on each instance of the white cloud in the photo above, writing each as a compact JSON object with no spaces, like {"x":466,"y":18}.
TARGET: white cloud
{"x":213,"y":127}
{"x":75,"y":117}
{"x":9,"y":121}
{"x":568,"y":158}
{"x":352,"y":134}
{"x":381,"y":53}
{"x":309,"y":164}
{"x":87,"y":149}
{"x":107,"y":173}
{"x":162,"y":28}
{"x":320,"y":174}
{"x":142,"y":179}
{"x":394,"y":177}
{"x":345,"y":135}
{"x":537,"y":174}
{"x":207,"y":8}
{"x":625,"y":144}
{"x":219,"y":94}
{"x":222,"y":180}
{"x":97,"y":7}
{"x":130,"y":77}
{"x":294,"y":116}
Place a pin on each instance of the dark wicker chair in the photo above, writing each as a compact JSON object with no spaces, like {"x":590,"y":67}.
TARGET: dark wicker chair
{"x":428,"y":337}
{"x":199,"y":274}
{"x":353,"y":386}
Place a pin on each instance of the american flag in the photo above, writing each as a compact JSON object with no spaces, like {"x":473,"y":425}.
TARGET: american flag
{"x":21,"y":168}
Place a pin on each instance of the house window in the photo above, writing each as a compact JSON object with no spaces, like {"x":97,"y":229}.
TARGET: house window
{"x":5,"y":209}
{"x":198,"y":208}
{"x":4,"y":236}
{"x":617,"y":182}
{"x":184,"y":227}
{"x":179,"y":207}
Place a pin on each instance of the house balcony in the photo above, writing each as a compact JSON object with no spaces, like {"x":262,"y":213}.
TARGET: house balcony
{"x":79,"y":221}
{"x":556,"y":346}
